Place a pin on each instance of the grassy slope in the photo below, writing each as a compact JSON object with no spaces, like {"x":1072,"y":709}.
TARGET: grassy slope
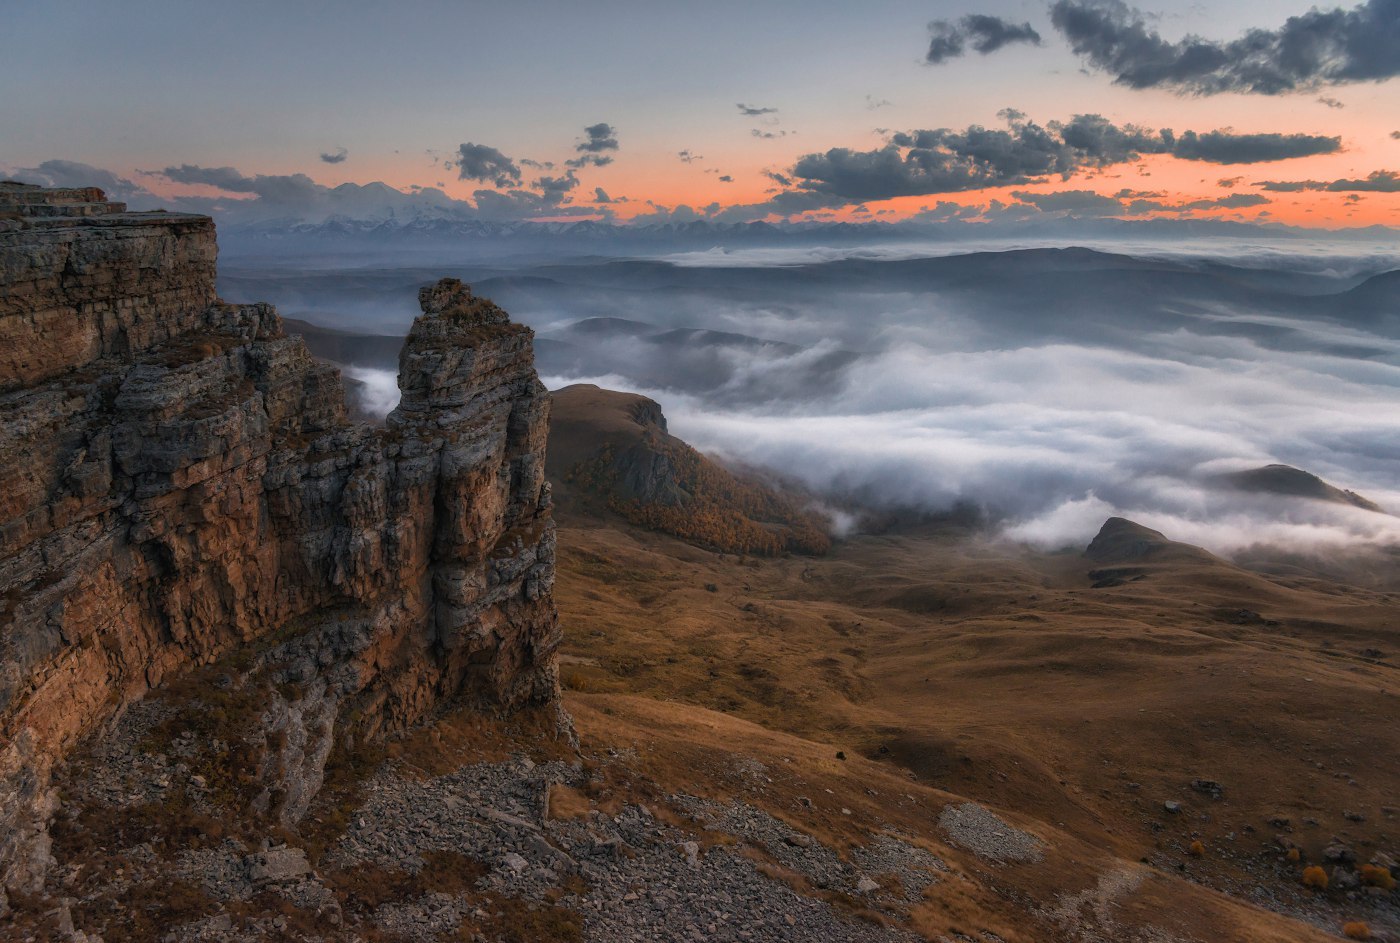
{"x":997,"y":674}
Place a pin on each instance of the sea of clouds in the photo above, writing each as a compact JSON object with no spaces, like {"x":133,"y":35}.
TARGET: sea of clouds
{"x":1050,"y":400}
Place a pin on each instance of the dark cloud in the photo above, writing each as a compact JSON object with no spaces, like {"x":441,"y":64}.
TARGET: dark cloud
{"x":480,"y":162}
{"x":754,"y":111}
{"x":1099,"y":140}
{"x":943,"y":160}
{"x":72,"y":173}
{"x":547,"y":196}
{"x":945,"y":211}
{"x":917,"y":163}
{"x":251,"y":200}
{"x":1314,"y":49}
{"x":1235,"y":201}
{"x":768,"y":135}
{"x":689,"y":157}
{"x":554,"y":189}
{"x":600,"y":137}
{"x":683,"y":213}
{"x":726,"y":178}
{"x":335,"y":157}
{"x":596,"y":160}
{"x":292,"y":191}
{"x":780,"y":179}
{"x":1330,"y":102}
{"x":1087,"y":204}
{"x":225,"y":178}
{"x":521,"y":204}
{"x":1229,"y":183}
{"x":785,"y":204}
{"x":1082,"y":203}
{"x":601,"y":196}
{"x":1395,"y":135}
{"x":1224,"y":147}
{"x":1380,"y":181}
{"x":536,"y":164}
{"x":985,"y":34}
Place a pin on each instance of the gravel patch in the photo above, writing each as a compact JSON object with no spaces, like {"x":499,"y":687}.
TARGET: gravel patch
{"x":975,"y":828}
{"x":645,"y":880}
{"x":884,"y":855}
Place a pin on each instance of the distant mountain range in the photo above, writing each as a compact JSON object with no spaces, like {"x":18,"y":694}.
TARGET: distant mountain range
{"x":342,"y":233}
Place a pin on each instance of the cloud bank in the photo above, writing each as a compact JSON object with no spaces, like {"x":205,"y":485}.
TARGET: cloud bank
{"x":944,"y":160}
{"x":1380,"y":181}
{"x":1050,"y":389}
{"x":1315,"y":49}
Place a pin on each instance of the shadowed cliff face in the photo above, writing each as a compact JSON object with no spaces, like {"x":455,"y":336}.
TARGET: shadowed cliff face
{"x":181,"y":481}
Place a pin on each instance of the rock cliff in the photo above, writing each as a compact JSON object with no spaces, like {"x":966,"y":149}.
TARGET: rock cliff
{"x":180,"y":482}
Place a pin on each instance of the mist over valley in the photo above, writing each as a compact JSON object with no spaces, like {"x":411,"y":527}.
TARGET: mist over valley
{"x":1048,"y":388}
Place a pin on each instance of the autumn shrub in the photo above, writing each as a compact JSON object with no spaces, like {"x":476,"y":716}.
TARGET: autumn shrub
{"x":1197,"y":849}
{"x":1356,"y":930}
{"x":145,"y":911}
{"x":1376,"y":876}
{"x":1314,"y":876}
{"x":520,"y":921}
{"x":369,"y":885}
{"x":1294,"y":855}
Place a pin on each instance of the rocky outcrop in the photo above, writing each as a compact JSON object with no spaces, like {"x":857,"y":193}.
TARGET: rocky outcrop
{"x":180,"y":481}
{"x":1290,"y":482}
{"x":1120,"y":540}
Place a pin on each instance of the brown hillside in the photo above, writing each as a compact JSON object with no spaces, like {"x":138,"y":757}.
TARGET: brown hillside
{"x":1294,"y":482}
{"x":611,"y":450}
{"x":1184,"y":700}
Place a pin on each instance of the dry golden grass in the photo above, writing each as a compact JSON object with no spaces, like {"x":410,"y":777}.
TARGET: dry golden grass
{"x":990,"y":672}
{"x":566,"y":802}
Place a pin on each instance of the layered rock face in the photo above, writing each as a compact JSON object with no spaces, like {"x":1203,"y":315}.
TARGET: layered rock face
{"x":180,"y":480}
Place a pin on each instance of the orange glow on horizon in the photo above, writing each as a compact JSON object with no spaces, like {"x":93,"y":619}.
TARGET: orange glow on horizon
{"x":666,"y":181}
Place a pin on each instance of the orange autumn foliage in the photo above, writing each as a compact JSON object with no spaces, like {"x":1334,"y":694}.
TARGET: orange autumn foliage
{"x":1376,"y":876}
{"x":1314,"y":876}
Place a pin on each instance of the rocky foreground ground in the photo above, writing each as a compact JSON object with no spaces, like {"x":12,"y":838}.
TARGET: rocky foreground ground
{"x":507,"y":848}
{"x":664,"y":823}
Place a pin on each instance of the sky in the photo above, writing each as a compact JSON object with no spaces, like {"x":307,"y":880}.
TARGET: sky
{"x":1263,"y":111}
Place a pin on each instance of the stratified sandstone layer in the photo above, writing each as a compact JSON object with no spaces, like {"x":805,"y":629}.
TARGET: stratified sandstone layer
{"x":179,"y":480}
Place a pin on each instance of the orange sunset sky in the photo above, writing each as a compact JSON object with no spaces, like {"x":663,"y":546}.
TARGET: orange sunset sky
{"x":708,"y":111}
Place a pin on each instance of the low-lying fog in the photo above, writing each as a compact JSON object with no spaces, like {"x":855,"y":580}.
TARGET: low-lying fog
{"x":1053,"y":388}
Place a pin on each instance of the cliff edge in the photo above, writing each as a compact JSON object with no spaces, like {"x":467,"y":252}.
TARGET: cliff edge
{"x":181,"y":482}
